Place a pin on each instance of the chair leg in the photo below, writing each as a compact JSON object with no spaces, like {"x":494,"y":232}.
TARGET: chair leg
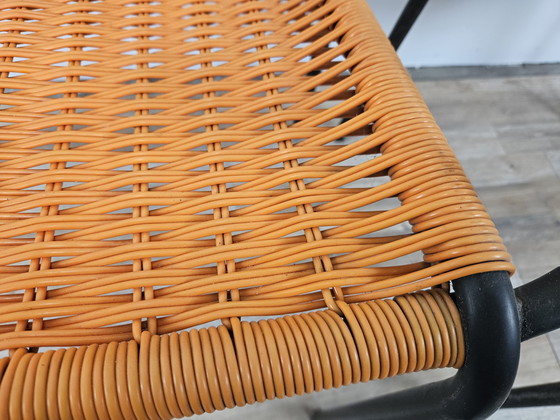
{"x":407,"y":18}
{"x":539,"y":303}
{"x":534,"y":396}
{"x":539,"y":310}
{"x":492,"y":332}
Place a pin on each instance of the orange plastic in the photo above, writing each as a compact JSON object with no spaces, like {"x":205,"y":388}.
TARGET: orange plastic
{"x":165,"y":164}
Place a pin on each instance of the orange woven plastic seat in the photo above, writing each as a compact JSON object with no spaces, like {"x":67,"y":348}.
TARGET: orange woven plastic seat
{"x":169,"y":164}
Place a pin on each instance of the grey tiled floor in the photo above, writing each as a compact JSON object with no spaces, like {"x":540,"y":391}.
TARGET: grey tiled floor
{"x":506,"y":132}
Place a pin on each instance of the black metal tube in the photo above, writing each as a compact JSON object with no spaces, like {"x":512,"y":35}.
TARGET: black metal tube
{"x":534,"y":396}
{"x":491,"y":324}
{"x":539,"y":305}
{"x":407,"y":18}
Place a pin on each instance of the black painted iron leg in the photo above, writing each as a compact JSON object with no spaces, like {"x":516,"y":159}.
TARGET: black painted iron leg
{"x":539,"y":310}
{"x":539,"y":305}
{"x":534,"y":396}
{"x":491,"y":324}
{"x":407,"y":18}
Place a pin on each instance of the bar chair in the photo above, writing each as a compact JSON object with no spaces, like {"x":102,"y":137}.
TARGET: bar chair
{"x":210,"y":203}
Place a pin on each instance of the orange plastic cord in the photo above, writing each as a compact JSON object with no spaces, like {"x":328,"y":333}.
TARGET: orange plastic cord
{"x":176,"y":375}
{"x":166,"y":164}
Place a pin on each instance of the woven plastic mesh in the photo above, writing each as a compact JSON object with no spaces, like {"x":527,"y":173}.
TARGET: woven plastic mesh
{"x":169,"y":163}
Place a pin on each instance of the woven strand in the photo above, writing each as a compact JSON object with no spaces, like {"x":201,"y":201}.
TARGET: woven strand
{"x":168,"y":164}
{"x":204,"y":370}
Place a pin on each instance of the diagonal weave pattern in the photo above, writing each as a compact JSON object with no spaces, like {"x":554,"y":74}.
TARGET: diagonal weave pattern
{"x":165,"y":164}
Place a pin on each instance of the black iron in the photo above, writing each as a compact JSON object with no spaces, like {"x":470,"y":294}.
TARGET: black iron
{"x":492,"y":332}
{"x":539,"y":305}
{"x":534,"y":396}
{"x":407,"y":18}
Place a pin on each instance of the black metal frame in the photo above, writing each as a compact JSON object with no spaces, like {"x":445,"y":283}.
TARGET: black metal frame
{"x":539,"y":310}
{"x":539,"y":305}
{"x":407,"y":18}
{"x":534,"y":396}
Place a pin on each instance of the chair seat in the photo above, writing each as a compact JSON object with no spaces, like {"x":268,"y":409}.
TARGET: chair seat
{"x":260,"y":175}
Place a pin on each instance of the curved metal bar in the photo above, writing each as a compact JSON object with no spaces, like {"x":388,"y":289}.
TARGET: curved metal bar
{"x":491,"y":324}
